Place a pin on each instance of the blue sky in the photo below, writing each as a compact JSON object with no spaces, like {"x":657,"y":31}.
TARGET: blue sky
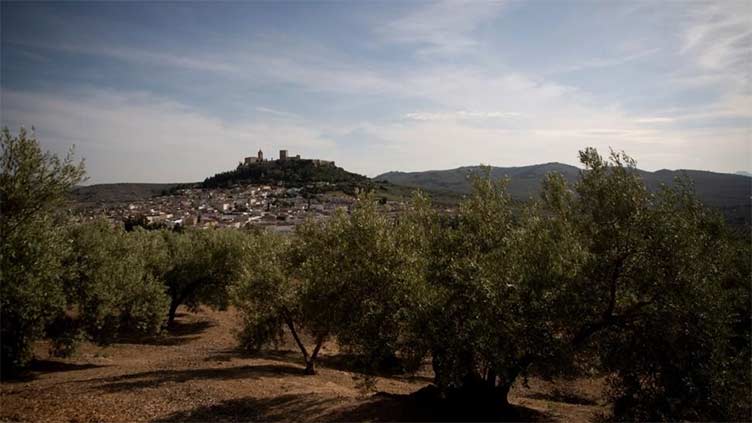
{"x":162,"y":92}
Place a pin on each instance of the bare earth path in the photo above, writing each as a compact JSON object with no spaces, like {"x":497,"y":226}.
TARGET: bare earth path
{"x":196,"y":374}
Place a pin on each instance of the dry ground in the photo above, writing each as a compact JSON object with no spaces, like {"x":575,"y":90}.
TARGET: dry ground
{"x":195,"y":373}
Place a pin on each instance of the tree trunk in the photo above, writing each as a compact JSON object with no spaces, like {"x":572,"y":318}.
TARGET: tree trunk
{"x":310,"y":368}
{"x":174,"y":304}
{"x":310,"y":363}
{"x":502,"y":393}
{"x":505,"y":383}
{"x":491,"y":378}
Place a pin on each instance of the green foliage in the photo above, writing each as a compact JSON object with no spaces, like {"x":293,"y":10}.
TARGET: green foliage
{"x":265,"y":295}
{"x":115,"y":285}
{"x":352,"y":277}
{"x":33,"y":182}
{"x":200,"y":266}
{"x":361,"y":273}
{"x":140,"y":221}
{"x":678,"y":307}
{"x":491,"y":286}
{"x":32,"y":289}
{"x":270,"y":299}
{"x":33,"y":185}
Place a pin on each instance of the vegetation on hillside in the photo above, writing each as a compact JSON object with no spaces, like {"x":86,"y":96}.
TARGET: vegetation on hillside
{"x":297,"y":172}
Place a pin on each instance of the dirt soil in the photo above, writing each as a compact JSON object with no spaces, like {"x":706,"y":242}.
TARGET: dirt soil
{"x":195,"y":373}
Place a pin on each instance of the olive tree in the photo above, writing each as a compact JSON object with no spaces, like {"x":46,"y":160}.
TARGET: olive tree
{"x":350,"y":278}
{"x":112,"y":285}
{"x":361,"y":274}
{"x":268,"y":298}
{"x":33,"y":189}
{"x":485,"y":310}
{"x":201,"y":265}
{"x":671,"y":349}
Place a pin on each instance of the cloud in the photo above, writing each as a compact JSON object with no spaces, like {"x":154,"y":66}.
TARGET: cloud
{"x":142,"y":56}
{"x":444,"y":144}
{"x":656,"y":119}
{"x":530,"y":120}
{"x":459,"y":115}
{"x":278,"y":113}
{"x":419,"y":114}
{"x":137,"y":137}
{"x":440,"y":27}
{"x":719,"y":35}
{"x":603,"y":62}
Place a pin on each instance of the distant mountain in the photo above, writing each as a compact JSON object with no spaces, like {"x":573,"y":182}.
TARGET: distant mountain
{"x":744,"y":173}
{"x":525,"y":180}
{"x":293,"y":172}
{"x":728,"y":192}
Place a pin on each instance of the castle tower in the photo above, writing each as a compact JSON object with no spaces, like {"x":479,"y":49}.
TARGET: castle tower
{"x":283,"y":154}
{"x":260,"y":156}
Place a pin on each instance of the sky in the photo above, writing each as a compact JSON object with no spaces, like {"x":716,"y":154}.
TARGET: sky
{"x":175,"y":92}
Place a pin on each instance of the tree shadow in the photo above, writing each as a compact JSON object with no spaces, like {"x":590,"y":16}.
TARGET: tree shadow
{"x":280,"y":408}
{"x":355,"y":363}
{"x":426,"y":405}
{"x":178,"y":333}
{"x":178,"y":328}
{"x":151,"y":379}
{"x":351,"y":363}
{"x":285,"y":356}
{"x":418,"y":406}
{"x":39,"y":367}
{"x":52,"y":366}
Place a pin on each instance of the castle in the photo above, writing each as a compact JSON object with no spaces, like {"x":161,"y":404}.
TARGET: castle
{"x":259,"y":158}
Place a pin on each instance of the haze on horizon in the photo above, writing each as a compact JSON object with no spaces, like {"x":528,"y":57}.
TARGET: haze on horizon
{"x":174,"y":92}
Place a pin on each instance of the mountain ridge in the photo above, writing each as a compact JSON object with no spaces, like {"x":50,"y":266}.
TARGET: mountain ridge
{"x":731,"y":193}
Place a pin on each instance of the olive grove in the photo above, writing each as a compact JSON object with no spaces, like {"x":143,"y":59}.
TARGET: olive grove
{"x":649,"y":289}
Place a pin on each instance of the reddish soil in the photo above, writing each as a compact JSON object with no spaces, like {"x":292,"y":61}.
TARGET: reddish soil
{"x":195,"y":373}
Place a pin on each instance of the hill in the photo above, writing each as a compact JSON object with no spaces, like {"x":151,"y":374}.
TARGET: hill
{"x":525,"y":180}
{"x":287,"y":172}
{"x":727,"y":192}
{"x":117,"y":193}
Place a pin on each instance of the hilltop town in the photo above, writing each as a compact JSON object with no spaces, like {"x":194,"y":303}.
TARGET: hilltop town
{"x":276,"y":201}
{"x":281,"y":193}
